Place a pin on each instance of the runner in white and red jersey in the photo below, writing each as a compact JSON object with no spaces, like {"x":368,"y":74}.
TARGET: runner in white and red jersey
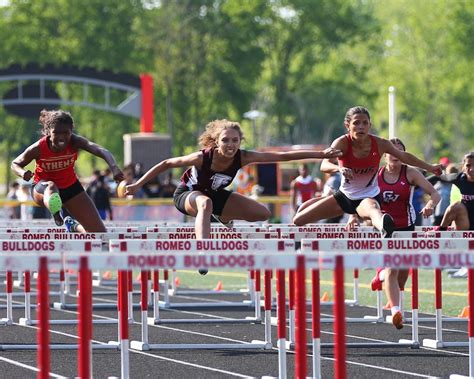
{"x":55,"y":183}
{"x":303,"y":188}
{"x":359,"y":164}
{"x":397,"y":182}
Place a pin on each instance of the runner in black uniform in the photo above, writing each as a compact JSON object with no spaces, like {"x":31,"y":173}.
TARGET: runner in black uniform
{"x":201,"y":193}
{"x":462,"y":212}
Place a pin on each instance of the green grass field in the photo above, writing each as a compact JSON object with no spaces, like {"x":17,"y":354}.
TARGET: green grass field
{"x":454,"y":290}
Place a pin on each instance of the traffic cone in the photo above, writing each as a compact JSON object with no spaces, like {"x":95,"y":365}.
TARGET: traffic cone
{"x":219,"y":286}
{"x":325,"y":297}
{"x":464,"y":313}
{"x":107,"y":275}
{"x":177,"y":282}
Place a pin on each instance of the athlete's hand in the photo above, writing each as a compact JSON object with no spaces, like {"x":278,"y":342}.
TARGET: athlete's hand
{"x":427,"y":211}
{"x":118,"y":174}
{"x":437,"y":169}
{"x":352,"y":223}
{"x":27,"y":176}
{"x":347,"y":172}
{"x":331,"y":152}
{"x":131,"y":189}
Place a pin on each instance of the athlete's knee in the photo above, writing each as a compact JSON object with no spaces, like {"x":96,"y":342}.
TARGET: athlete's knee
{"x":460,"y":208}
{"x":370,"y":204}
{"x":391,"y":273}
{"x":298,"y":220}
{"x":52,"y":187}
{"x":204,"y":205}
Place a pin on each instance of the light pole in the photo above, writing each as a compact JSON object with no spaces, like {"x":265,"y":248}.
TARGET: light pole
{"x":253,"y":115}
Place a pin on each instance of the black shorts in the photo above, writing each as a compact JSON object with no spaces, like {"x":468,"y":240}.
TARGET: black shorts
{"x":66,"y":194}
{"x":219,"y":198}
{"x":348,"y":205}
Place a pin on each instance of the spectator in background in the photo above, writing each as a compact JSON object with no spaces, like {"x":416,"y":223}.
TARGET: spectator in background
{"x":444,"y":189}
{"x":14,"y":211}
{"x":168,"y":186}
{"x":109,"y":181}
{"x":95,"y":176}
{"x":418,"y":204}
{"x":24,"y":195}
{"x":303,"y":188}
{"x":138,"y":170}
{"x":100,"y":195}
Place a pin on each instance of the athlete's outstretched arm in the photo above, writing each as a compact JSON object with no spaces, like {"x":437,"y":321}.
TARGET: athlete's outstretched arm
{"x":249,"y":157}
{"x":445,"y":178}
{"x":31,"y":153}
{"x":80,"y":142}
{"x":385,"y":146}
{"x":194,"y":159}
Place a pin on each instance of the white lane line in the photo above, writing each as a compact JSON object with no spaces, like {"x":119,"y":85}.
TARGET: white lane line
{"x":160,"y":357}
{"x":407,"y":373}
{"x":191,"y":364}
{"x":31,"y":368}
{"x":232,"y":340}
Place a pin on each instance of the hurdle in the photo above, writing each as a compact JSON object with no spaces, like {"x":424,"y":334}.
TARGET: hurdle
{"x":60,"y":246}
{"x":216,"y":233}
{"x":12,"y":254}
{"x":363,"y":247}
{"x":338,"y":256}
{"x":253,"y":289}
{"x":61,"y":234}
{"x":438,"y":342}
{"x":253,"y":278}
{"x":183,"y":231}
{"x":221,"y":247}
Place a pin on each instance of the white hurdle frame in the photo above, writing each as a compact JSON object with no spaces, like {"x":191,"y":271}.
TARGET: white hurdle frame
{"x":244,"y":247}
{"x":385,"y":253}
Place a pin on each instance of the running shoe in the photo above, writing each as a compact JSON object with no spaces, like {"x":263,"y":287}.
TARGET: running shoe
{"x":397,"y":320}
{"x":70,"y":224}
{"x":203,"y":271}
{"x":228,"y":224}
{"x":376,"y":283}
{"x":387,"y":226}
{"x":460,"y":274}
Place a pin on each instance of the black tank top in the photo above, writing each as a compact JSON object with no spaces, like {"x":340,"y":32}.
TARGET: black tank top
{"x":205,"y":179}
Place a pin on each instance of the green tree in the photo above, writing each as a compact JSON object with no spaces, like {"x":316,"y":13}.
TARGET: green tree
{"x":432,"y":72}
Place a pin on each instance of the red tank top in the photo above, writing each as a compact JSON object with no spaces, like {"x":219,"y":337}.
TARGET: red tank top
{"x":397,"y":199}
{"x":364,"y":182}
{"x":57,"y":167}
{"x":305,"y":188}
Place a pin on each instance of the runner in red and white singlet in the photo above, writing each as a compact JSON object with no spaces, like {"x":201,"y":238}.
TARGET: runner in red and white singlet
{"x":303,"y":188}
{"x":359,"y":191}
{"x":397,"y":182}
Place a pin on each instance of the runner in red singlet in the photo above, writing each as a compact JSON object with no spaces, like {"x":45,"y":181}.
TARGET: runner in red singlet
{"x":55,"y":183}
{"x":397,"y":182}
{"x":359,"y":164}
{"x":303,"y":188}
